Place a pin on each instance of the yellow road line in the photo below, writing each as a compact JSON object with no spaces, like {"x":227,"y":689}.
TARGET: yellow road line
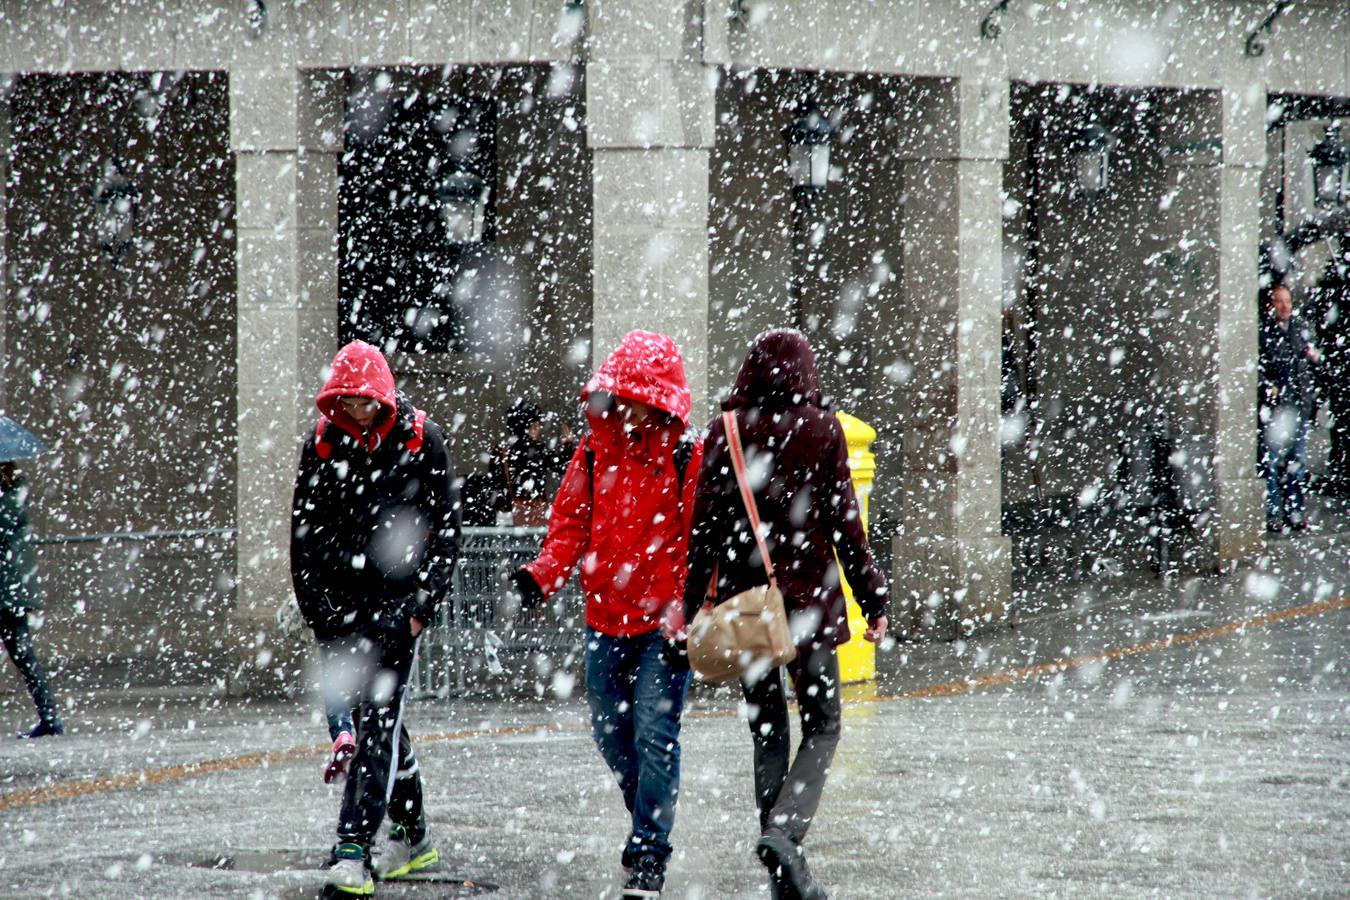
{"x":70,"y":790}
{"x":1011,"y":676}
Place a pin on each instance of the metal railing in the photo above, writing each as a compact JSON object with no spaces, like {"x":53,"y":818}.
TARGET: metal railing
{"x":477,"y":644}
{"x":110,"y":537}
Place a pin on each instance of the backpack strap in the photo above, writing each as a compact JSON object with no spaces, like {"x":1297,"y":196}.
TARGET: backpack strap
{"x":322,"y":445}
{"x":589,"y":452}
{"x":684,"y":452}
{"x":419,"y":425}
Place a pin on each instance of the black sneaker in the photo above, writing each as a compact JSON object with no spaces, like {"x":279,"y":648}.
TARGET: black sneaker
{"x":42,"y":729}
{"x":647,"y":878}
{"x":789,"y":875}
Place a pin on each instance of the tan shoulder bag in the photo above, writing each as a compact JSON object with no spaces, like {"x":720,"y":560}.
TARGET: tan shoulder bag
{"x":749,"y":632}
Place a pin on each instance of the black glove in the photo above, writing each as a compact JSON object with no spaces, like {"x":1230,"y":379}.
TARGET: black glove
{"x":422,"y":608}
{"x":396,"y":617}
{"x":527,"y":590}
{"x":675,"y":654}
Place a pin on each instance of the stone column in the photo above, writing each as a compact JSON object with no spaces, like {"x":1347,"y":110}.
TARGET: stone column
{"x":952,"y":563}
{"x":6,"y":147}
{"x":322,"y":101}
{"x":650,"y":103}
{"x":1214,"y":147}
{"x":286,"y":225}
{"x":1236,"y":527}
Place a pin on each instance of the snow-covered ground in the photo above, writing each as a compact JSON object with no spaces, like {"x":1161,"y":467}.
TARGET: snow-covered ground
{"x":1213,"y":764}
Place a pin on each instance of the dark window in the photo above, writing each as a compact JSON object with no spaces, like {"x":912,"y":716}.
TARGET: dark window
{"x":399,"y":271}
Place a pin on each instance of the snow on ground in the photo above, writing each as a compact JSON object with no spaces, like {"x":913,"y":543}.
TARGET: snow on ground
{"x":1216,"y":766}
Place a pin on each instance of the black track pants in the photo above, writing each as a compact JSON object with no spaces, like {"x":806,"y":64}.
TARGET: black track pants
{"x":374,"y":786}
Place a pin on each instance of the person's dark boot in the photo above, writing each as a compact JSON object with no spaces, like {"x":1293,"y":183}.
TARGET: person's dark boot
{"x":647,"y":878}
{"x":789,"y":875}
{"x":43,"y":728}
{"x":344,"y":748}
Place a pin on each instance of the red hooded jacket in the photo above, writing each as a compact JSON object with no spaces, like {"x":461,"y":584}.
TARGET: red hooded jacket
{"x":630,"y":529}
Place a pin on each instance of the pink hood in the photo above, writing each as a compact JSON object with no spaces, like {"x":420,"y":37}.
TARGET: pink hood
{"x":359,"y":370}
{"x":646,"y":367}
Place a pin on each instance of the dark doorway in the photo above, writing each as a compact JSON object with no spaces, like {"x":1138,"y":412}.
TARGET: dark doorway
{"x":401,"y":280}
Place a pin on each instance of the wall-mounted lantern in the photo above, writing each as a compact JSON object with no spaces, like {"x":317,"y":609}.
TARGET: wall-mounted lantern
{"x":256,"y":17}
{"x":117,"y":203}
{"x":808,"y":147}
{"x":463,"y":199}
{"x":1330,"y":161}
{"x":1092,"y":160}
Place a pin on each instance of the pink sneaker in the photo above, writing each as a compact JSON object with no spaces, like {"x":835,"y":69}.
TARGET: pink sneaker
{"x":344,"y":748}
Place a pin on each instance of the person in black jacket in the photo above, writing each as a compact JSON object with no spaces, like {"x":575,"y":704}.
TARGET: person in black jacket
{"x":1331,"y":319}
{"x":375,"y":535}
{"x":524,"y":466}
{"x":1285,"y":409}
{"x":804,"y":493}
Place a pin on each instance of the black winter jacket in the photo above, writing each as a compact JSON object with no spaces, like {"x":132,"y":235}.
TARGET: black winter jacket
{"x":375,"y":535}
{"x":1286,"y":375}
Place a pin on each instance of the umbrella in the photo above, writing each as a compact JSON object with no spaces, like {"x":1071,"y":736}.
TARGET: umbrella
{"x":17,"y":442}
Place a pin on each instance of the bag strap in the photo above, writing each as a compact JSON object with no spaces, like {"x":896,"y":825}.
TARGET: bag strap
{"x":738,"y":463}
{"x":502,"y":454}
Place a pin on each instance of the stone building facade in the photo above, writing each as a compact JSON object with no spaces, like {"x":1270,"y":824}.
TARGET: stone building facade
{"x":639,"y":181}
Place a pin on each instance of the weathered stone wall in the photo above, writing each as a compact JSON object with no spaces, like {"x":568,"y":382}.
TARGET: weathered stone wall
{"x":123,"y":361}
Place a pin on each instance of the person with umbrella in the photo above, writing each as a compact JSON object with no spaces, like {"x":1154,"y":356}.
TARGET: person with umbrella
{"x":20,"y":591}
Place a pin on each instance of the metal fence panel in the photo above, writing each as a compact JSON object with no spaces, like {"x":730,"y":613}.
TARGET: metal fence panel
{"x":473,"y":648}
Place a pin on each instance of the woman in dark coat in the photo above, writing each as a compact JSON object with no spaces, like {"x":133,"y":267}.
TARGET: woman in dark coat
{"x":525,"y":466}
{"x":20,"y":593}
{"x":798,"y":466}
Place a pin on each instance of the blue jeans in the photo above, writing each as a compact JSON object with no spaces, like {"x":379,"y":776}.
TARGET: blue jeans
{"x":1286,"y":471}
{"x":339,"y":664}
{"x":636,"y":701}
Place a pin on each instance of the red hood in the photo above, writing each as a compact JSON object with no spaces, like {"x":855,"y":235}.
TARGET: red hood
{"x":646,"y":367}
{"x":359,"y":370}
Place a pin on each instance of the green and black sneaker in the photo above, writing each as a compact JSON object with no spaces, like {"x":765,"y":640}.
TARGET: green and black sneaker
{"x":402,"y":857}
{"x":349,"y":875}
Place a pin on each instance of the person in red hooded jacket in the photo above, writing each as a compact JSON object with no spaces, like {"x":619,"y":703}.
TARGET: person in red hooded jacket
{"x":375,"y":534}
{"x":623,"y":513}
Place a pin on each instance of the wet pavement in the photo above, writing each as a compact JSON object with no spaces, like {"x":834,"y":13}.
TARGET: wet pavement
{"x":1128,"y":738}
